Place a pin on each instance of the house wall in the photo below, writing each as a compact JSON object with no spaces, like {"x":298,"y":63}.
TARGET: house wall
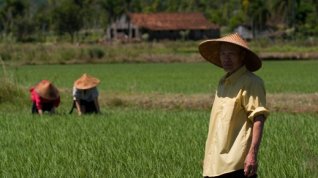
{"x":244,"y":32}
{"x":124,"y":29}
{"x":163,"y":34}
{"x":176,"y":34}
{"x":204,"y":34}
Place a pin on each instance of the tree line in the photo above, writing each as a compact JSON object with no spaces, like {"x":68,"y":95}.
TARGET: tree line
{"x":33,"y":20}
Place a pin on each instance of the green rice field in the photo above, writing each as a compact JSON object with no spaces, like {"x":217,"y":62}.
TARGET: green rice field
{"x":137,"y":142}
{"x":279,"y":76}
{"x":142,"y":143}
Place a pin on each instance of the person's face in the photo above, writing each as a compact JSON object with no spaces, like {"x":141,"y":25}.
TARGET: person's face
{"x":231,"y":57}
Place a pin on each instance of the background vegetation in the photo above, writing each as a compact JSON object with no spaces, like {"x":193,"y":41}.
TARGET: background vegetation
{"x":143,"y":52}
{"x":42,"y":20}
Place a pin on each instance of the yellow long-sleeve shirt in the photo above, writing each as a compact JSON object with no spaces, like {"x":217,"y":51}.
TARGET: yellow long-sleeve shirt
{"x":239,"y":98}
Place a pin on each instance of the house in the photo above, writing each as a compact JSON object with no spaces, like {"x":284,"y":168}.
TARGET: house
{"x":245,"y":31}
{"x":158,"y":26}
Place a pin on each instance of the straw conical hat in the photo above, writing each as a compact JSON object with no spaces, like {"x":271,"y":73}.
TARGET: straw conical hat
{"x":210,"y":50}
{"x":86,"y":82}
{"x":47,"y":90}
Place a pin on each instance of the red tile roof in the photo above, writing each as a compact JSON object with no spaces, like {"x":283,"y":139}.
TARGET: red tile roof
{"x":172,"y":21}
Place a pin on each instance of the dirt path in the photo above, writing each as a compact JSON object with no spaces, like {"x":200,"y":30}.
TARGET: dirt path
{"x":295,"y":103}
{"x":288,"y":55}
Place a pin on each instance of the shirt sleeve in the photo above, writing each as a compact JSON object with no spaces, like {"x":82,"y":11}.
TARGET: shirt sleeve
{"x":75,"y":93}
{"x":254,"y":100}
{"x":31,"y":94}
{"x":36,"y":98}
{"x":95,"y":93}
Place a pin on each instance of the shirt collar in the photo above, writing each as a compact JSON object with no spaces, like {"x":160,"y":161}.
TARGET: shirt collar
{"x":234,"y":76}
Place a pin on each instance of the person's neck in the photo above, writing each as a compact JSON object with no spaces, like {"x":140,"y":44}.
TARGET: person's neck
{"x":233,"y":71}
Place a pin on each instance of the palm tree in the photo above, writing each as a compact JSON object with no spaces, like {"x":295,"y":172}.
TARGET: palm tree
{"x":257,"y":14}
{"x":10,"y":12}
{"x":286,"y":11}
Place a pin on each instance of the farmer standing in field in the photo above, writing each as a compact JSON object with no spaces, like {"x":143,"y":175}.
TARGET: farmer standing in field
{"x":85,"y":95}
{"x":45,"y":97}
{"x":239,"y":110}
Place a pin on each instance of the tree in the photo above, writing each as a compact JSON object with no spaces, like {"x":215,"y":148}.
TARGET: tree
{"x":68,"y":18}
{"x":285,"y":11}
{"x":16,"y":19}
{"x":306,"y":19}
{"x":113,"y":9}
{"x":257,"y":14}
{"x":11,"y":11}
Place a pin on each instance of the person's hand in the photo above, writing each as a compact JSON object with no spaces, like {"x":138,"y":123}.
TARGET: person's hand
{"x":52,"y":110}
{"x":250,"y":165}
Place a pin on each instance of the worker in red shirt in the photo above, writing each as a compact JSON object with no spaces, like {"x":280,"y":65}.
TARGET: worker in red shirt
{"x":45,"y":97}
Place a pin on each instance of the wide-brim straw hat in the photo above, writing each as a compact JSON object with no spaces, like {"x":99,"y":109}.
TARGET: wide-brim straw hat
{"x":86,"y":82}
{"x":47,"y":90}
{"x":210,"y":50}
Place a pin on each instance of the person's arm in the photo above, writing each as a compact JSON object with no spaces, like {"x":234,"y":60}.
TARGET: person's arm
{"x":52,"y":110}
{"x":78,"y":107}
{"x":250,"y":166}
{"x":40,"y":112}
{"x":56,"y":103}
{"x":95,"y":95}
{"x":76,"y":100}
{"x":97,"y":105}
{"x":38,"y":103}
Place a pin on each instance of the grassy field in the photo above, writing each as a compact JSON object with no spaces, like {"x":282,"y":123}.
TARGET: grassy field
{"x":138,"y":142}
{"x":119,"y":143}
{"x":290,"y":146}
{"x":142,"y":143}
{"x":144,"y":52}
{"x":279,"y":76}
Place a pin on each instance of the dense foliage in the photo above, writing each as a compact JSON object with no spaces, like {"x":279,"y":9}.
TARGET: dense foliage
{"x":29,"y":20}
